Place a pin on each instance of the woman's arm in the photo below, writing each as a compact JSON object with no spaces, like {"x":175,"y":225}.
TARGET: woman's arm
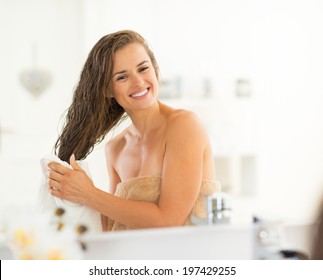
{"x":181,"y":180}
{"x":114,"y":180}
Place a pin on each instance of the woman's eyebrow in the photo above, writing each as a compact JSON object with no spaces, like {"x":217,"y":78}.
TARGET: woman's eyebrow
{"x":124,"y":71}
{"x":120,"y":72}
{"x":141,"y":63}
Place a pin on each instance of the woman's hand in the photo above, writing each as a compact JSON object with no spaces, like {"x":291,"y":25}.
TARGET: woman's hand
{"x":71,"y":184}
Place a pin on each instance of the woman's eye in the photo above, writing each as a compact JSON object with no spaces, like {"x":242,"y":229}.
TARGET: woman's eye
{"x":120,"y":78}
{"x":142,"y":69}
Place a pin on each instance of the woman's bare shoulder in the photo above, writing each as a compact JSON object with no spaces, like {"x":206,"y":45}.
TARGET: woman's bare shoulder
{"x":184,"y":127}
{"x":185,"y":120}
{"x":175,"y":115}
{"x":116,"y":142}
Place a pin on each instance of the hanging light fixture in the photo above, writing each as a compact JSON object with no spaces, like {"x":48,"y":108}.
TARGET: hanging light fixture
{"x":35,"y":79}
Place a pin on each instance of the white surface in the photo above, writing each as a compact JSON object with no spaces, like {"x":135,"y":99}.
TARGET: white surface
{"x":203,"y":242}
{"x":219,"y":242}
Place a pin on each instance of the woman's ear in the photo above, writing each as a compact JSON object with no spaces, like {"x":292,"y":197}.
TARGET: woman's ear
{"x":109,"y":95}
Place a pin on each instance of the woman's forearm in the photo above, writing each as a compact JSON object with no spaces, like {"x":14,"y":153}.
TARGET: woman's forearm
{"x":133,"y":214}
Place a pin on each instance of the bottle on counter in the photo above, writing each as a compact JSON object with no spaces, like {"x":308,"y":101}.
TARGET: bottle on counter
{"x":219,"y":208}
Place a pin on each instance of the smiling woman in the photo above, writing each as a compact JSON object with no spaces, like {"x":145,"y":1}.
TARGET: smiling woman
{"x":137,"y":80}
{"x":157,"y":177}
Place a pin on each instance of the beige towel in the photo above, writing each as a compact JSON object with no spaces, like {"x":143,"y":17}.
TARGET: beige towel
{"x":147,"y":188}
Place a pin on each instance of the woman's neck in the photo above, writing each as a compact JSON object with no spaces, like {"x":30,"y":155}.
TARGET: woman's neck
{"x":145,"y":121}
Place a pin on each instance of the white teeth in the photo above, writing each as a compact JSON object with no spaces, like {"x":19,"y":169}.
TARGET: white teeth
{"x":138,"y":94}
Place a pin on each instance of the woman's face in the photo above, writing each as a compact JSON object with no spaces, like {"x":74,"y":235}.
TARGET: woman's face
{"x":134,"y":81}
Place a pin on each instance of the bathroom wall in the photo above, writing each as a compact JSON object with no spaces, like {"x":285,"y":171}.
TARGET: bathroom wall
{"x":46,"y":34}
{"x":275,"y":45}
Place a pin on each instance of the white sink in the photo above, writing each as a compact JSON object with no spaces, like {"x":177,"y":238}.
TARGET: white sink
{"x":223,"y":242}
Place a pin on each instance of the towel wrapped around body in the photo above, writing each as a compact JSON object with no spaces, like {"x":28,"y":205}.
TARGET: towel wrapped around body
{"x":147,"y":188}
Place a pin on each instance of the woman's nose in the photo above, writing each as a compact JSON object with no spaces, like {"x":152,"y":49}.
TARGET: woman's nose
{"x":137,"y":80}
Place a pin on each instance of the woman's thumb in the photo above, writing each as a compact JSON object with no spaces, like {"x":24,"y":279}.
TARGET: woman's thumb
{"x":73,"y":163}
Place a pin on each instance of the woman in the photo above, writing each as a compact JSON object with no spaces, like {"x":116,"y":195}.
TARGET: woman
{"x":159,"y":166}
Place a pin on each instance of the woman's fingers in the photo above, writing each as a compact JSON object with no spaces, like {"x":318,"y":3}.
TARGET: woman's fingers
{"x":55,"y":176}
{"x":68,"y":183}
{"x":58,"y":167}
{"x":55,"y":192}
{"x":54,"y":184}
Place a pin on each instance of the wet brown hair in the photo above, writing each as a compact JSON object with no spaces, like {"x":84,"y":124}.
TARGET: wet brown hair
{"x":94,"y":111}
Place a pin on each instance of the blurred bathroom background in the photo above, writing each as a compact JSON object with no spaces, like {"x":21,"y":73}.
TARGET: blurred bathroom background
{"x":251,"y":69}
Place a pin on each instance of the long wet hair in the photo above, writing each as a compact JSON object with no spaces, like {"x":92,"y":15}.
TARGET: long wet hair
{"x":94,"y":111}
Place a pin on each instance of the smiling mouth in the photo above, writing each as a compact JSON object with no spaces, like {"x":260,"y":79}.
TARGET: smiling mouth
{"x":140,"y":93}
